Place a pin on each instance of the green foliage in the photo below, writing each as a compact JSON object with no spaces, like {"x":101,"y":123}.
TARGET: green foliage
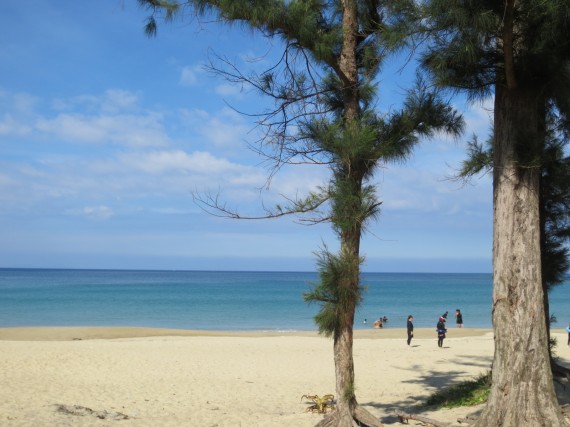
{"x":168,"y":7}
{"x":468,"y":52}
{"x":479,"y":159}
{"x":467,"y":393}
{"x":466,"y":47}
{"x":424,"y":113}
{"x":336,"y":291}
{"x":555,"y":208}
{"x":351,"y":208}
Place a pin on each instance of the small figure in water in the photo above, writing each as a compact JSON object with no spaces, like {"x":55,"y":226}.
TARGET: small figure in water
{"x":384,"y":319}
{"x":458,"y":318}
{"x":365,"y":320}
{"x":441,"y":331}
{"x":410,"y":328}
{"x":378,"y":323}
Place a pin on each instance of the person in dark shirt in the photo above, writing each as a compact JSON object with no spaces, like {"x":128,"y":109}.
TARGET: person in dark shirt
{"x":410,"y":328}
{"x":440,"y":331}
{"x":458,"y":318}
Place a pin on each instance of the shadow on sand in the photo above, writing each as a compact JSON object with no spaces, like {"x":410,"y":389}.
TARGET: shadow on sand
{"x":434,"y":379}
{"x":438,"y":379}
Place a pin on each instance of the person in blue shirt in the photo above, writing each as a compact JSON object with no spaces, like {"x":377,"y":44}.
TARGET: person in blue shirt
{"x":568,"y":330}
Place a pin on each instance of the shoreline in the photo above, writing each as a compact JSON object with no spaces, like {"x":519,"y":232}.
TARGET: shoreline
{"x":75,"y":333}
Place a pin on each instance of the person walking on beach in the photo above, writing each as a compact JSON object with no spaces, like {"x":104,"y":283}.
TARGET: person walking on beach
{"x":441,"y":331}
{"x":458,"y":318}
{"x":410,"y":328}
{"x":568,"y":330}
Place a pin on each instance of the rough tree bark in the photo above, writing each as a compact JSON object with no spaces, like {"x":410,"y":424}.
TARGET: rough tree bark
{"x":347,"y":409}
{"x":522,"y":391}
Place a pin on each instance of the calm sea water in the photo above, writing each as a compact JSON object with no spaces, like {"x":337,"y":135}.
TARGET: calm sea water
{"x":238,"y":301}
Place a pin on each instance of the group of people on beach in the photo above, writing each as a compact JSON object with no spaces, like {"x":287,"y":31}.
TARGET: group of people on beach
{"x":440,"y":327}
{"x":379,"y":323}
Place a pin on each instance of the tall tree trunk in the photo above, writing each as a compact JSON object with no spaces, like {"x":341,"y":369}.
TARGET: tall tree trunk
{"x":347,"y":412}
{"x":522,"y":391}
{"x":350,"y":239}
{"x":343,"y":339}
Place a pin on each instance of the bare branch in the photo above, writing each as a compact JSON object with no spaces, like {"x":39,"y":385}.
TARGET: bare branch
{"x":213,"y":205}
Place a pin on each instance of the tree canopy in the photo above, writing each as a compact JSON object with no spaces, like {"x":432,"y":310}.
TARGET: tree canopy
{"x":519,"y":52}
{"x":324,"y":89}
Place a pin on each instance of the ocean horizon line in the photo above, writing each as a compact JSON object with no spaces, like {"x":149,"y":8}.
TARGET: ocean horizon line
{"x":164,"y":270}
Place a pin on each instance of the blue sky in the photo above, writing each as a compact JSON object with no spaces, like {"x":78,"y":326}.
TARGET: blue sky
{"x":105,"y":134}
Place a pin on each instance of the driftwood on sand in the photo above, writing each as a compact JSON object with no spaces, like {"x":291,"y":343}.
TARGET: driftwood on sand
{"x":81,"y":411}
{"x":470,"y":419}
{"x":427,"y":421}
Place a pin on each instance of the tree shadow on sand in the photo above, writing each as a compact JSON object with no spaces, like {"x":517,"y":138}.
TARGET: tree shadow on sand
{"x":430,"y":381}
{"x":436,"y":379}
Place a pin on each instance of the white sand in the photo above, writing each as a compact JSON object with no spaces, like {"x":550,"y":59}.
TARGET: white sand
{"x":222,"y":379}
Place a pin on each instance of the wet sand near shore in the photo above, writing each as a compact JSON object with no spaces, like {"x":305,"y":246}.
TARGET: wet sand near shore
{"x":89,"y":333}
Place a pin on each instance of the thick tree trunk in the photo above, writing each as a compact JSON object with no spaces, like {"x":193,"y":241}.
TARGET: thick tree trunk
{"x":522,"y":391}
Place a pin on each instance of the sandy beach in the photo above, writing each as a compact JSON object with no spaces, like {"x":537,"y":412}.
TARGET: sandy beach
{"x":158,"y":377}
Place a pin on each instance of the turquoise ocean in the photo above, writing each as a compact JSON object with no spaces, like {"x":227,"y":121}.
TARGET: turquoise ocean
{"x":237,"y":301}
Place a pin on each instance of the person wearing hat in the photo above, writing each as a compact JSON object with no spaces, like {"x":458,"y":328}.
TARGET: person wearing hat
{"x":441,"y":331}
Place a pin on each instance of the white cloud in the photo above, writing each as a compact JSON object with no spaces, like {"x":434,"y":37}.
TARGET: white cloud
{"x":126,"y":129}
{"x":178,"y":161}
{"x":24,"y":103}
{"x":98,"y":213}
{"x":229,"y":90}
{"x":300,"y":180}
{"x":190,"y":75}
{"x":110,"y":101}
{"x":119,"y":100}
{"x":11,"y":126}
{"x":6,"y":181}
{"x":113,"y":117}
{"x":225,"y":130}
{"x":419,"y":191}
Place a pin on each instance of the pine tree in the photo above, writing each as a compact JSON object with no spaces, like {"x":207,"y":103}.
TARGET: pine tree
{"x":554,"y":209}
{"x":327,"y":117}
{"x":519,"y":51}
